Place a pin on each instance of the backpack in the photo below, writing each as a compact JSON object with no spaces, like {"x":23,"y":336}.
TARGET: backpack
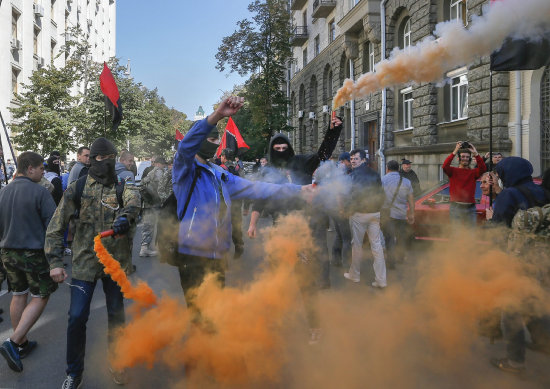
{"x":168,"y":224}
{"x":81,"y":183}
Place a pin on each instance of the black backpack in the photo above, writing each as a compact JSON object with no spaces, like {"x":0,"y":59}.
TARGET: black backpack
{"x":81,"y":183}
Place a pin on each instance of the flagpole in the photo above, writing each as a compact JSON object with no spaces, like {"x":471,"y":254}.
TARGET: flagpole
{"x":8,"y":139}
{"x":490,"y":133}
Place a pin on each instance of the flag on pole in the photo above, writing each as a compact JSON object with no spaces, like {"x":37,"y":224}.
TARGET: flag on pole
{"x":112,"y":97}
{"x":232,"y":140}
{"x":522,"y":54}
{"x":179,"y":135}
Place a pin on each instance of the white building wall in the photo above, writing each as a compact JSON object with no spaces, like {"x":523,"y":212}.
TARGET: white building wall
{"x":96,"y":18}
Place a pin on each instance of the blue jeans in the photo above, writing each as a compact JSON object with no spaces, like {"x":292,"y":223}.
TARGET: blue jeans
{"x":79,"y":312}
{"x":463,"y":214}
{"x":512,"y":325}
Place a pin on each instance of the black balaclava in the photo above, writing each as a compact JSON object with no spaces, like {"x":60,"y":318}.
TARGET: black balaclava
{"x":51,"y":166}
{"x":207,"y":148}
{"x":102,"y":171}
{"x":280,"y":158}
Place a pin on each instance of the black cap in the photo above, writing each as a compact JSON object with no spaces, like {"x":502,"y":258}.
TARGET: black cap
{"x":405,"y":162}
{"x":344,"y":156}
{"x":102,"y":146}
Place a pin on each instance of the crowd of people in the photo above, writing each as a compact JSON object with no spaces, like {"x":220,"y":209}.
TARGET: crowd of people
{"x":41,"y":225}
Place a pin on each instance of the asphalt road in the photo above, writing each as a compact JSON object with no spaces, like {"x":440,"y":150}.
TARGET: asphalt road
{"x":45,"y":367}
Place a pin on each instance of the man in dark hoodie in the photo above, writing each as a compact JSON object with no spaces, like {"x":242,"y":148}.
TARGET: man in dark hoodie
{"x":289,"y":167}
{"x":520,"y":192}
{"x":53,"y":173}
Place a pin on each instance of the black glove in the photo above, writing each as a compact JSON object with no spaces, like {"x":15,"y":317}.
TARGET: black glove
{"x":121,"y":225}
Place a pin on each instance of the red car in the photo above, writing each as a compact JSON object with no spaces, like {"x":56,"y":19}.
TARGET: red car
{"x":432,"y":210}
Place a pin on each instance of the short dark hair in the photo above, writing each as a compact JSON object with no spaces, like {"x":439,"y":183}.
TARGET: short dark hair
{"x":125,"y":155}
{"x":393,"y":165}
{"x":228,"y":153}
{"x":81,"y":149}
{"x":28,"y":159}
{"x":362,"y":153}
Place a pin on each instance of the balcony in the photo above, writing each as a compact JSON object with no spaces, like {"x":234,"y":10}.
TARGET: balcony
{"x":323,"y":8}
{"x":297,"y":5}
{"x":299,"y":36}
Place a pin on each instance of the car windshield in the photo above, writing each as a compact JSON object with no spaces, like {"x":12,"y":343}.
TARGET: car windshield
{"x":443,"y":195}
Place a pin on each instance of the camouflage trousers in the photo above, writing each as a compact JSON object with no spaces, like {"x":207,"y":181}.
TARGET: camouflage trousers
{"x":28,"y":270}
{"x":149,"y":224}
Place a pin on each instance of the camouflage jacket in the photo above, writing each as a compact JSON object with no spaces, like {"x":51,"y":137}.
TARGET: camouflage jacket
{"x":150,"y":188}
{"x":165,"y":188}
{"x":99,"y":209}
{"x":46,"y":184}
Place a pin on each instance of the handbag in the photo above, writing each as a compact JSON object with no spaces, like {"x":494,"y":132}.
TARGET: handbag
{"x":385,"y":212}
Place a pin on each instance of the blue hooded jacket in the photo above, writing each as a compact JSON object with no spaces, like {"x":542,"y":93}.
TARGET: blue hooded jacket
{"x":514,"y":172}
{"x":205,"y":228}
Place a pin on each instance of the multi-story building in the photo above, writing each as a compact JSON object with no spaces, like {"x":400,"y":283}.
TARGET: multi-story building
{"x":32,"y":33}
{"x":339,"y":39}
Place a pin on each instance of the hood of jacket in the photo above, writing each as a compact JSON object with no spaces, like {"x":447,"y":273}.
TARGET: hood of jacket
{"x":514,"y":170}
{"x":278,"y":139}
{"x":120,"y":167}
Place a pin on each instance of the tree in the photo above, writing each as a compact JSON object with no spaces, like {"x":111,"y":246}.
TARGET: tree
{"x":260,"y":48}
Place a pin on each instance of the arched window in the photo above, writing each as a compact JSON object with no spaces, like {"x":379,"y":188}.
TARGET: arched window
{"x":368,"y":57}
{"x":545,"y":120}
{"x":313,"y":94}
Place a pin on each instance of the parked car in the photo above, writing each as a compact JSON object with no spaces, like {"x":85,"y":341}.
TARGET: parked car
{"x":432,"y":210}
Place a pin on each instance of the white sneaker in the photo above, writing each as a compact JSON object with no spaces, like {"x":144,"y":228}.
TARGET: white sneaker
{"x":68,"y":252}
{"x":3,"y":292}
{"x":377,"y":285}
{"x":349,"y":277}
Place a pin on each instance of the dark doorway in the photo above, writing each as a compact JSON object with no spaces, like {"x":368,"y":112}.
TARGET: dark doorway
{"x":370,"y":141}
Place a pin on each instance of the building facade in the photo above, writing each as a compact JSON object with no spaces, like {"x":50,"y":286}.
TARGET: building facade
{"x":32,"y":33}
{"x":335,"y":40}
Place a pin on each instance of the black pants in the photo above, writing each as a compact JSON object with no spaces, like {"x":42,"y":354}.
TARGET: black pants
{"x":192,"y":270}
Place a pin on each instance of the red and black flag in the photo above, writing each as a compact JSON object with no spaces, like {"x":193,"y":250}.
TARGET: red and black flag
{"x":112,"y":97}
{"x":179,"y":135}
{"x":522,"y":54}
{"x":232,"y":140}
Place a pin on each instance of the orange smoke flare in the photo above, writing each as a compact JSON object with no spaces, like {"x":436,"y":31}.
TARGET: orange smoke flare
{"x":142,"y":294}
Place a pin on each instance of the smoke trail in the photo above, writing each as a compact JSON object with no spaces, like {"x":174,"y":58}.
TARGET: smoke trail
{"x":430,"y":59}
{"x":141,"y":293}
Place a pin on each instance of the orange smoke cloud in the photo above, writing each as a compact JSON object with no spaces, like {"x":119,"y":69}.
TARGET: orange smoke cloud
{"x":237,"y":338}
{"x":141,"y":293}
{"x":457,"y":46}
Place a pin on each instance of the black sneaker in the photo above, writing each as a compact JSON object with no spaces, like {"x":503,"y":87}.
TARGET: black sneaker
{"x":27,"y":348}
{"x":72,"y":382}
{"x":10,"y":352}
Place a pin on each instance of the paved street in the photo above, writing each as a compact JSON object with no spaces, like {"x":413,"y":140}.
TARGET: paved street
{"x":45,"y":367}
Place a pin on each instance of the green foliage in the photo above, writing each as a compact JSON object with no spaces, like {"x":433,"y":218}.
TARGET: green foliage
{"x":49,"y":116}
{"x":260,"y":47}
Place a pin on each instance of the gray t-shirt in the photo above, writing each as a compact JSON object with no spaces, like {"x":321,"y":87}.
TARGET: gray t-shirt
{"x":389,"y":183}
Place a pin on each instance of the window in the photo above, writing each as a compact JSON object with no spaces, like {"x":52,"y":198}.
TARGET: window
{"x":52,"y":11}
{"x":304,"y":19}
{"x":14,"y":20}
{"x":14,"y":76}
{"x":353,"y":3}
{"x":331,"y":31}
{"x":407,"y":34}
{"x":458,"y":11}
{"x":66,"y":20}
{"x":404,"y":34}
{"x":316,"y":46}
{"x":52,"y":50}
{"x":459,"y":97}
{"x":406,"y":98}
{"x":36,"y":36}
{"x":368,"y":57}
{"x":329,"y":85}
{"x":304,"y":58}
{"x":371,"y":57}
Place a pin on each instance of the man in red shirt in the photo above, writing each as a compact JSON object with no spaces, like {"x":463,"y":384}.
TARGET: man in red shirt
{"x":462,"y":180}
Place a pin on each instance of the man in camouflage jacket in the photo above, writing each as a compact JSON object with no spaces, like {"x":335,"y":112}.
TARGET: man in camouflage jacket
{"x":151,"y":204}
{"x":100,"y":210}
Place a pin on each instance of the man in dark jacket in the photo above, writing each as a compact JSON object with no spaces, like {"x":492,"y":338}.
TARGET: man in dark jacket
{"x":24,"y":216}
{"x":408,"y":173}
{"x":520,"y":192}
{"x":367,"y":197}
{"x":52,"y":174}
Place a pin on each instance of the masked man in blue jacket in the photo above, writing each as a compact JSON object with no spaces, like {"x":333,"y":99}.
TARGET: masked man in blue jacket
{"x":204,"y":192}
